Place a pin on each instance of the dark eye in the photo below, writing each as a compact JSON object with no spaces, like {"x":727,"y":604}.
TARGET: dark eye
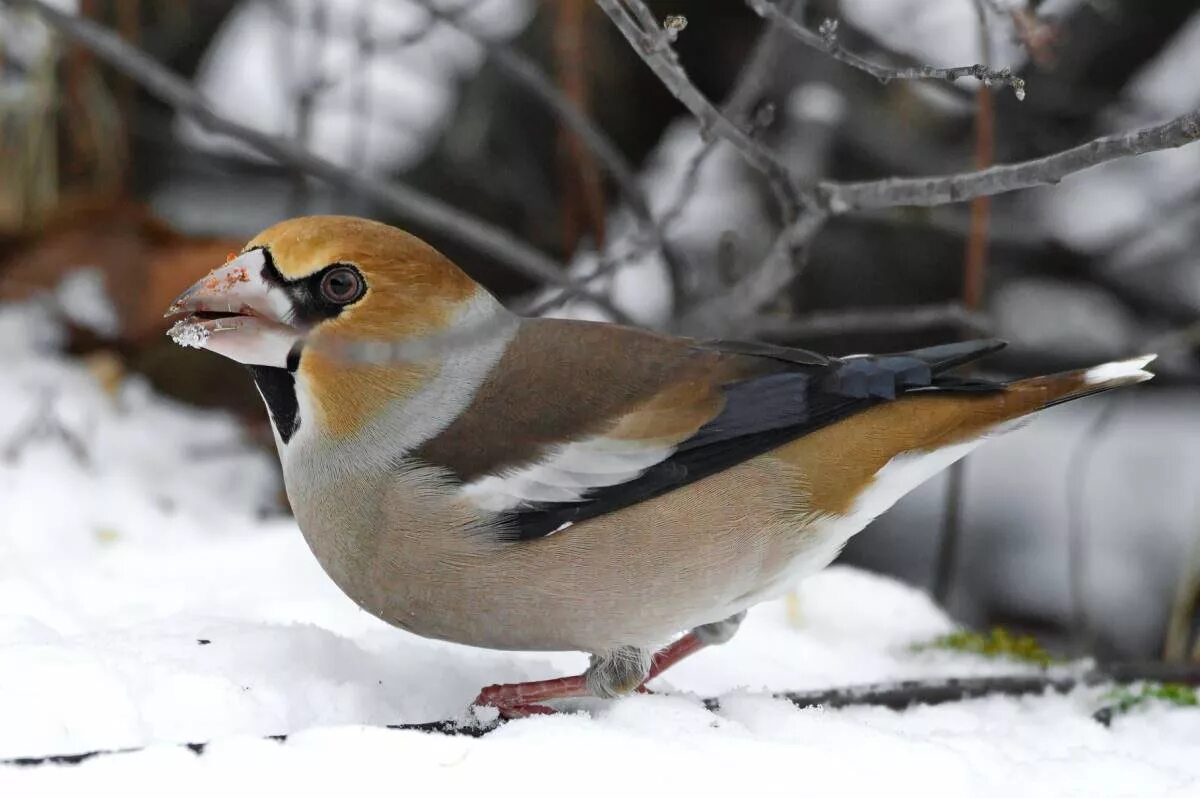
{"x":341,"y":285}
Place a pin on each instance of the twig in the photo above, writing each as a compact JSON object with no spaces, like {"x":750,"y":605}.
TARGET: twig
{"x":1185,"y":611}
{"x":1077,"y":564}
{"x":974,"y":271}
{"x":942,"y":691}
{"x":528,"y":74}
{"x":305,"y":91}
{"x":746,"y":91}
{"x":46,"y":425}
{"x":928,"y":191}
{"x":396,"y":197}
{"x":745,"y":95}
{"x":894,"y":695}
{"x":951,"y":533}
{"x":723,"y":314}
{"x":582,"y":192}
{"x":975,"y":260}
{"x":653,"y":44}
{"x":364,"y":54}
{"x":826,"y":40}
{"x":758,"y":70}
{"x":1040,"y":36}
{"x":887,"y":319}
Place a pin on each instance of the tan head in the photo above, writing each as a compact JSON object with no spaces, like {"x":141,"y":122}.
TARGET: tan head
{"x":304,"y":286}
{"x":322,"y":276}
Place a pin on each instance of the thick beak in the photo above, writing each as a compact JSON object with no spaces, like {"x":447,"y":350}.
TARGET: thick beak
{"x":234,"y":312}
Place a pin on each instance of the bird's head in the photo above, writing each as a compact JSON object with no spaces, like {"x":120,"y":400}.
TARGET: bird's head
{"x":289,"y":304}
{"x":317,"y":278}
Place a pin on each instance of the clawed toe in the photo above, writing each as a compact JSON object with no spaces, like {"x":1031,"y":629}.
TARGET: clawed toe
{"x":504,"y":698}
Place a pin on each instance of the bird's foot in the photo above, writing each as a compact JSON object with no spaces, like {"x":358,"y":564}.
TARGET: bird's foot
{"x":524,"y":699}
{"x":611,"y":675}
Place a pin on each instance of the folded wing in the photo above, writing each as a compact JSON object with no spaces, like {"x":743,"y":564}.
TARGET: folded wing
{"x":625,"y":415}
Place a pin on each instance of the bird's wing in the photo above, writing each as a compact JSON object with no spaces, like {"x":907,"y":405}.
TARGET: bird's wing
{"x":624,"y":415}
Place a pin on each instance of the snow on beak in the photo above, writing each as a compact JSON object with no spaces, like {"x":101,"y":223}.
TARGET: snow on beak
{"x":235,"y":312}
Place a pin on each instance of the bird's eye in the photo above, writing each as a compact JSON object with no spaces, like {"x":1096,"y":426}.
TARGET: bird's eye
{"x":341,"y":285}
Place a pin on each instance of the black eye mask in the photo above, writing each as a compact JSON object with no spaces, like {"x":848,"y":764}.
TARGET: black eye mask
{"x":319,"y":296}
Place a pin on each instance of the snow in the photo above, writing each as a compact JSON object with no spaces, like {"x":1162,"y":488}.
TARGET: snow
{"x":265,"y":55}
{"x":698,"y":214}
{"x":82,"y":299}
{"x":146,"y":599}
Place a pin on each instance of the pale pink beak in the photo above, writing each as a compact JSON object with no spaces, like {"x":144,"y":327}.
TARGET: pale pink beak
{"x":235,"y":312}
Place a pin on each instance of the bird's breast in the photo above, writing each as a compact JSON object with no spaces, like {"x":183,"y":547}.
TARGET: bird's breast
{"x":409,"y":550}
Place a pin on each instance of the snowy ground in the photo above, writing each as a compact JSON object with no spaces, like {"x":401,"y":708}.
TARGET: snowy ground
{"x":145,"y":601}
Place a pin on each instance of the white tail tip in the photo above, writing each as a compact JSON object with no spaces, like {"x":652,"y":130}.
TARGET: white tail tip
{"x":1132,"y":370}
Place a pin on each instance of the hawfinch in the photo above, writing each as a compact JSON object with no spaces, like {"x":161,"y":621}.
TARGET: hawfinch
{"x":546,"y":484}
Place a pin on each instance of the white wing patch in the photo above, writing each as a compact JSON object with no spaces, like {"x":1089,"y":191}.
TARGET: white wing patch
{"x":567,"y":473}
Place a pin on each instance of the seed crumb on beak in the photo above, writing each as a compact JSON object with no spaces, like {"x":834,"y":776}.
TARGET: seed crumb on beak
{"x":189,"y":333}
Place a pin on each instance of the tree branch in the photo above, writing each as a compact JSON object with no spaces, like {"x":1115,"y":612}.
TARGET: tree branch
{"x":900,"y":695}
{"x":396,"y":197}
{"x":653,"y":44}
{"x":827,"y":42}
{"x":928,"y":191}
{"x":895,"y":695}
{"x":724,"y":314}
{"x":528,"y":74}
{"x":862,"y":320}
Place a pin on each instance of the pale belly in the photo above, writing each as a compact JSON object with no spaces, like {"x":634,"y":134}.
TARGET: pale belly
{"x":636,"y":577}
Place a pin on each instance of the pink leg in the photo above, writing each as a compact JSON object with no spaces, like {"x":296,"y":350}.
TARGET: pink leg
{"x":523,"y":699}
{"x":681,"y":649}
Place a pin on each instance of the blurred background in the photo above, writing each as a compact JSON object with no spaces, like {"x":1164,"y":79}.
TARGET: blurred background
{"x":1083,"y":528}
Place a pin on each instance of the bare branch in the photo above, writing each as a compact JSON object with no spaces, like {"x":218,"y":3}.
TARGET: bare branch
{"x":1185,"y":612}
{"x":396,"y":197}
{"x":895,"y":695}
{"x":1082,"y":630}
{"x":827,"y":41}
{"x":928,"y":191}
{"x":724,"y":314}
{"x":862,"y":320}
{"x":758,"y":70}
{"x":528,"y":74}
{"x":653,"y":44}
{"x":901,"y":695}
{"x":718,"y":315}
{"x":746,"y":91}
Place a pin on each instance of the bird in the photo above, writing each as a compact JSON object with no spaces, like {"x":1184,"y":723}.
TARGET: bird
{"x":471,"y":475}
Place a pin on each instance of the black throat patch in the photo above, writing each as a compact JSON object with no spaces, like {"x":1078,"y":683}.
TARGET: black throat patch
{"x":278,"y":389}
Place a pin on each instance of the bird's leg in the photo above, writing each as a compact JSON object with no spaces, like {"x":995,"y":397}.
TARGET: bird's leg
{"x":710,"y":634}
{"x":523,"y":699}
{"x":614,"y":673}
{"x":609,"y":675}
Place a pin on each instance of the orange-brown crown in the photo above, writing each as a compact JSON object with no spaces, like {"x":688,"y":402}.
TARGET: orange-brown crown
{"x":412,"y":289}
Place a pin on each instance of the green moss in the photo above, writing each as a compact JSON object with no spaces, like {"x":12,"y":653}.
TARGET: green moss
{"x":999,"y":642}
{"x":1124,"y":699}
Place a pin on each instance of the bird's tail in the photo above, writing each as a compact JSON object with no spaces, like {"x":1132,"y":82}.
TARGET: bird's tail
{"x":1037,"y":393}
{"x":958,"y":410}
{"x":925,"y":430}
